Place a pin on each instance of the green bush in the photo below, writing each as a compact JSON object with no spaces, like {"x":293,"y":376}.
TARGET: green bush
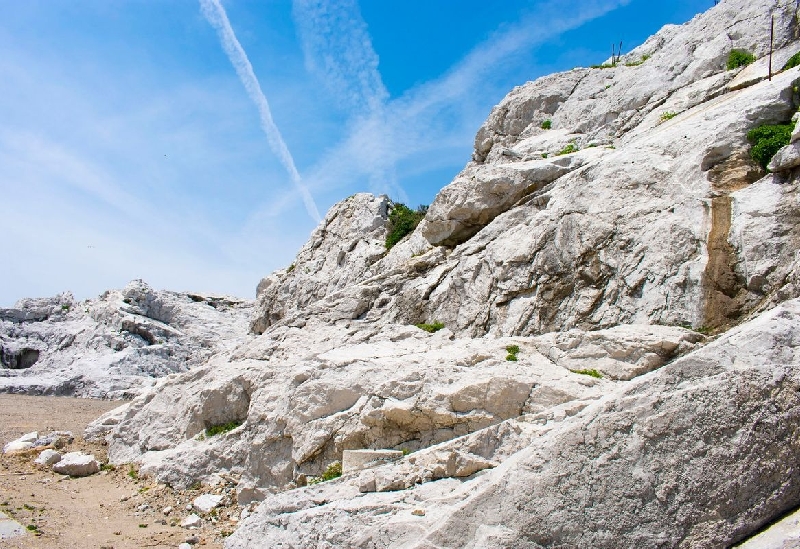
{"x":402,"y":221}
{"x":513,"y":351}
{"x":222,"y":428}
{"x":739,"y":58}
{"x":589,"y":372}
{"x":669,"y":115}
{"x":334,"y":470}
{"x":547,"y":124}
{"x":792,"y":62}
{"x":570,"y":148}
{"x":430,"y":328}
{"x":767,"y":140}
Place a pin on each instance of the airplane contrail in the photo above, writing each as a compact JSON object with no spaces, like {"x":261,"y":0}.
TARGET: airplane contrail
{"x":215,"y":14}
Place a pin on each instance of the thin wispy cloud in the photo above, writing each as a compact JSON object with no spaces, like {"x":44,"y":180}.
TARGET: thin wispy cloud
{"x":216,"y":16}
{"x":438,"y":113}
{"x":338,"y":51}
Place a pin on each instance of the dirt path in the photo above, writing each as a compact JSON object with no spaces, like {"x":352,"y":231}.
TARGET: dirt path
{"x":113,"y":509}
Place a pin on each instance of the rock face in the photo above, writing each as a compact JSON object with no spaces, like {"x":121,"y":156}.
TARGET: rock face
{"x":113,"y":346}
{"x":696,"y":454}
{"x":566,"y":402}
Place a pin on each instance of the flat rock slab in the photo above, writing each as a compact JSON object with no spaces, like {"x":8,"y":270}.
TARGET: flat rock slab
{"x":10,"y":528}
{"x":356,"y":460}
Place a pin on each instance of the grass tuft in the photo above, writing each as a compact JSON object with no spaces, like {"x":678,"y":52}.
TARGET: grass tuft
{"x":589,"y":372}
{"x":430,"y":328}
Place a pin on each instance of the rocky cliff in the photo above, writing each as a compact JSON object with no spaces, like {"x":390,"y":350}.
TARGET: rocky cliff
{"x":618,"y":284}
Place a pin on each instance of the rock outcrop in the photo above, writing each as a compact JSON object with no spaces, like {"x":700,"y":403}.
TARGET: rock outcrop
{"x":700,"y":453}
{"x":113,"y":346}
{"x":608,"y":218}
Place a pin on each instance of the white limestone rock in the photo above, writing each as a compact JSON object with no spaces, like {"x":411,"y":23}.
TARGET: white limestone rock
{"x":113,"y":346}
{"x":21,"y":444}
{"x":191,"y":521}
{"x":693,"y":455}
{"x":206,"y":502}
{"x":48,"y":457}
{"x":785,"y":159}
{"x":77,"y":464}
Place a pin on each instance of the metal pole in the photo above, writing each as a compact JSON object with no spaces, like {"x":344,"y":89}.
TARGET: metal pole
{"x":771,"y":38}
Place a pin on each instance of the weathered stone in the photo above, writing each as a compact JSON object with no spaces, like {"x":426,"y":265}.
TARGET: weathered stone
{"x":356,"y":460}
{"x":785,"y":159}
{"x":77,"y":464}
{"x":192,"y":521}
{"x":10,"y":528}
{"x":206,"y":502}
{"x":23,"y":443}
{"x":48,"y":457}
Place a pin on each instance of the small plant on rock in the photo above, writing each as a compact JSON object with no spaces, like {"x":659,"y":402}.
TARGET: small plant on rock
{"x":334,"y":470}
{"x":792,"y":62}
{"x":431,"y":328}
{"x":570,"y":148}
{"x":547,"y":124}
{"x":402,"y":221}
{"x":591,"y":372}
{"x":739,"y":58}
{"x":222,"y":428}
{"x":512,"y":351}
{"x":668,"y":115}
{"x":768,"y":140}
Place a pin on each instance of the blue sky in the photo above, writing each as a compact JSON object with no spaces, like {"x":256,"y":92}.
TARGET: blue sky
{"x":157,"y":139}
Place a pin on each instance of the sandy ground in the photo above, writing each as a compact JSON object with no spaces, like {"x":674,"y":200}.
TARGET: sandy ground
{"x":112,"y":509}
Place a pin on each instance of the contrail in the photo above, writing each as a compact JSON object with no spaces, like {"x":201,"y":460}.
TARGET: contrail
{"x":215,"y":14}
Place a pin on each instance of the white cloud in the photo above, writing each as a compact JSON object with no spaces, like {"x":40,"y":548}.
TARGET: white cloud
{"x":215,"y":14}
{"x":432,"y":116}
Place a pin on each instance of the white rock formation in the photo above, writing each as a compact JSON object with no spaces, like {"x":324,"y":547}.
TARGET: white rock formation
{"x":115,"y":345}
{"x":77,"y":464}
{"x":694,"y":454}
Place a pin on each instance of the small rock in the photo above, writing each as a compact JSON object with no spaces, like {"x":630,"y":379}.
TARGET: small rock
{"x":192,"y":521}
{"x":418,"y":512}
{"x":167,"y":510}
{"x":206,"y":502}
{"x":192,"y":540}
{"x":48,"y":457}
{"x":188,"y":506}
{"x":184,"y":546}
{"x":77,"y":464}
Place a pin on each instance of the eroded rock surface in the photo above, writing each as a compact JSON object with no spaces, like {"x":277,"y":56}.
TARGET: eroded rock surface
{"x":112,"y":346}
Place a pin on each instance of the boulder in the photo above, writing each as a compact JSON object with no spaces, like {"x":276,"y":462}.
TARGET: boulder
{"x":77,"y":464}
{"x":48,"y":457}
{"x":191,"y":521}
{"x":206,"y":502}
{"x":785,"y":159}
{"x":23,"y":443}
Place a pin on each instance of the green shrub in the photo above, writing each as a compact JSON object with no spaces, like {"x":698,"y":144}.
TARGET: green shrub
{"x":512,"y":351}
{"x":589,"y":372}
{"x":334,"y":470}
{"x":637,"y":63}
{"x":402,"y":221}
{"x":739,"y":58}
{"x":570,"y":148}
{"x":223,"y":428}
{"x":668,"y":115}
{"x":430,"y":328}
{"x":767,"y":140}
{"x":544,"y":155}
{"x":792,"y":62}
{"x":547,"y":124}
